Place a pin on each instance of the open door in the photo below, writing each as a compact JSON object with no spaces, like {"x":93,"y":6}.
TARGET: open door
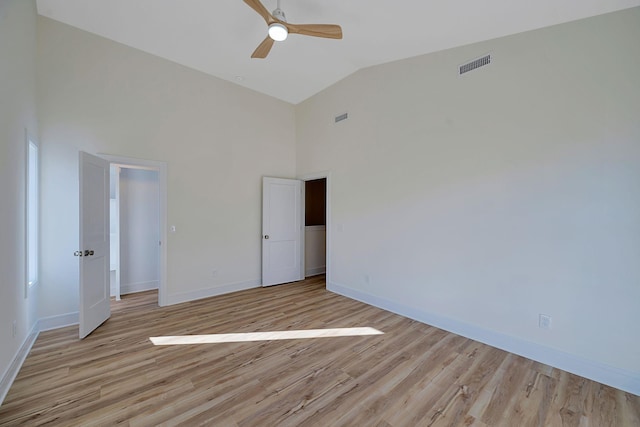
{"x":94,"y":243}
{"x":281,"y":231}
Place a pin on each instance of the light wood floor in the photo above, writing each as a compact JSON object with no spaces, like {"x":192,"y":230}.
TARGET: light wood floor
{"x":412,"y":375}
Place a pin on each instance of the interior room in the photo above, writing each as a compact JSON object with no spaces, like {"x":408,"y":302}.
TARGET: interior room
{"x":475,"y":171}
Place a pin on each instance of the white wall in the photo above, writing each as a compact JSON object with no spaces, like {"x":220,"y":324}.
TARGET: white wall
{"x":477,"y":202}
{"x":139,"y":230}
{"x":217,"y":139}
{"x":315,"y":250}
{"x":17,"y":113}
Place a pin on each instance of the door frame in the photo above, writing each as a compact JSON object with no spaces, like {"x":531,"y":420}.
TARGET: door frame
{"x":161,"y":168}
{"x":310,"y":177}
{"x":111,"y":220}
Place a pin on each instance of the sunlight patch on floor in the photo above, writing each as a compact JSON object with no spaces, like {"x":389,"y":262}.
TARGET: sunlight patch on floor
{"x":264,"y":336}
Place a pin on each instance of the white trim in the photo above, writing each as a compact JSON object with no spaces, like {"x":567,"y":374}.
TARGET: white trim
{"x":302,"y":253}
{"x":327,"y":176}
{"x":161,"y":167}
{"x":115,"y":285}
{"x":59,"y":321}
{"x":619,"y":378}
{"x":132,"y":288}
{"x":14,"y":367}
{"x":212,"y":292}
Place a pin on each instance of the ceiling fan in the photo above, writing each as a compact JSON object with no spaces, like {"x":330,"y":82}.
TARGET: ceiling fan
{"x":279,"y":28}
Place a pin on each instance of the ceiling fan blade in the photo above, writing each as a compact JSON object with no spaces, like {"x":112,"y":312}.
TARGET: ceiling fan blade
{"x":263,"y":50}
{"x":328,"y":31}
{"x":262,"y":11}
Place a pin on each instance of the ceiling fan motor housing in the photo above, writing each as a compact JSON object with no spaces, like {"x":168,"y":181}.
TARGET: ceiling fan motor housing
{"x":279,"y":14}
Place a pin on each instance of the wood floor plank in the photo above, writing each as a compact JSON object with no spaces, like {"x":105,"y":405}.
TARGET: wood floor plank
{"x":401,"y":373}
{"x":410,"y":375}
{"x":472,"y":374}
{"x":628,"y":408}
{"x":510,"y":388}
{"x":420,"y":405}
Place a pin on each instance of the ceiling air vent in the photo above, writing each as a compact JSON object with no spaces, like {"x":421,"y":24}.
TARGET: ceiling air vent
{"x":476,"y":63}
{"x":341,"y":117}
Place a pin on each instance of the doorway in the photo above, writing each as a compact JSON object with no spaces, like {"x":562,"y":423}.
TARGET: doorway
{"x":288,"y":211}
{"x":315,"y":227}
{"x":141,"y":232}
{"x":317,"y":236}
{"x":135,"y":230}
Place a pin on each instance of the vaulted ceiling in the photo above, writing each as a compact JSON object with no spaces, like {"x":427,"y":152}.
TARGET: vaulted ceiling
{"x":218,"y":36}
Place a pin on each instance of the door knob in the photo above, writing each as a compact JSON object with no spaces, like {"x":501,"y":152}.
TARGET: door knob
{"x":266,"y":237}
{"x":77,"y":253}
{"x":88,"y":252}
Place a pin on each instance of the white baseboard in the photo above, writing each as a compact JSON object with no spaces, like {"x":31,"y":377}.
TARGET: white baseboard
{"x":593,"y":370}
{"x":211,"y":292}
{"x":59,"y":321}
{"x":315,"y":271}
{"x":16,"y":363}
{"x":131,"y":288}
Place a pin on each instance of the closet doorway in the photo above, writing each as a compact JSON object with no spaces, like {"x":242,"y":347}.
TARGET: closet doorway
{"x":315,"y":227}
{"x":135,"y":230}
{"x":317,"y":234}
{"x":137,"y":226}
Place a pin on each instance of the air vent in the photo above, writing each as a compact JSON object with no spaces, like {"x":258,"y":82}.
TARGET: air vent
{"x":341,"y":117}
{"x":476,"y":63}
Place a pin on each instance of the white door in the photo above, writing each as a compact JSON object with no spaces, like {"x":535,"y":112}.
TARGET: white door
{"x":281,"y":231}
{"x":94,"y":243}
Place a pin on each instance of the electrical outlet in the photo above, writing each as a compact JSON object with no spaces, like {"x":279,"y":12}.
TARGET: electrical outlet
{"x":544,"y":321}
{"x":14,"y":329}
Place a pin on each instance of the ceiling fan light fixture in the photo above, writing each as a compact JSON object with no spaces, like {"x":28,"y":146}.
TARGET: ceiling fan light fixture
{"x":278,"y":32}
{"x":279,"y":28}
